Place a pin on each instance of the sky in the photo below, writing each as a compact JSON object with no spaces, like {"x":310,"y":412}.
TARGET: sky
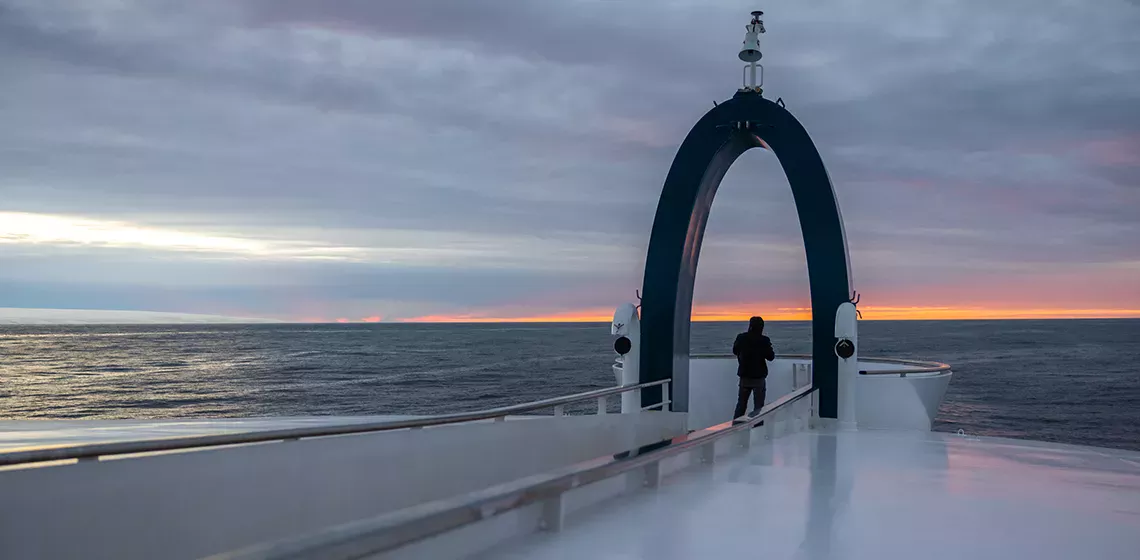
{"x":375,"y":160}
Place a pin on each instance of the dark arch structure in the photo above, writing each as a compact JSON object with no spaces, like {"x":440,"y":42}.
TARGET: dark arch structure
{"x":746,"y":121}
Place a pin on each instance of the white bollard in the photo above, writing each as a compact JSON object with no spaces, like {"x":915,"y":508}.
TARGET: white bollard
{"x":846,"y":351}
{"x":627,"y":324}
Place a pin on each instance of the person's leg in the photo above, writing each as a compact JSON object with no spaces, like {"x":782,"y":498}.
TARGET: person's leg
{"x":741,"y":401}
{"x":758,"y":394}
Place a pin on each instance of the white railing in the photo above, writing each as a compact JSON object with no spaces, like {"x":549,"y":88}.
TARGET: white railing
{"x":915,"y":366}
{"x":97,"y":450}
{"x":398,"y":529}
{"x":666,"y":399}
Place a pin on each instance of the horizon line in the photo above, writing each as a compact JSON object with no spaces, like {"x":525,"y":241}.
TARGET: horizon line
{"x":539,"y":321}
{"x":708,"y":313}
{"x":605,"y":321}
{"x":790,"y":314}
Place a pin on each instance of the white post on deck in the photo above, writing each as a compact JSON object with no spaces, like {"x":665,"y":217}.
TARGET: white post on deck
{"x":627,"y":325}
{"x":846,"y":351}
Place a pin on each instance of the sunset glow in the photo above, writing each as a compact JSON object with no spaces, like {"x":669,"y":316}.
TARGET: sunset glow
{"x":586,"y":316}
{"x":735,"y":313}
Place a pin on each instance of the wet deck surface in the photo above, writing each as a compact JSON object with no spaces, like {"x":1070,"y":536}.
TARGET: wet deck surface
{"x":871,"y":495}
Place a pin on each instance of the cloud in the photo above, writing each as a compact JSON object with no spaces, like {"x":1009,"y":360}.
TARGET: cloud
{"x":24,"y":316}
{"x":441,"y":158}
{"x":410,"y":248}
{"x":22,"y":228}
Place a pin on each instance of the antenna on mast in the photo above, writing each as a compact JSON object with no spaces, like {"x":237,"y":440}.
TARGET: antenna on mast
{"x":751,"y":54}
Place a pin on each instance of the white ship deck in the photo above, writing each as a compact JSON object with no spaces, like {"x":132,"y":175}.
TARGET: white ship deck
{"x":867,"y":494}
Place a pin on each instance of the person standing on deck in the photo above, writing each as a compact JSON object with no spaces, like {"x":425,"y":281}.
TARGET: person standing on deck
{"x":753,"y":351}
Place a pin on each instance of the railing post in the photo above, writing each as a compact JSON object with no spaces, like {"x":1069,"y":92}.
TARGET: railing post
{"x":652,"y":473}
{"x":666,"y":401}
{"x":553,"y":512}
{"x":813,"y":410}
{"x":708,"y":452}
{"x":559,"y":410}
{"x":601,"y":405}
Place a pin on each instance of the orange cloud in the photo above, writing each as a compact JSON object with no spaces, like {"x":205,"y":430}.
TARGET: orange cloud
{"x":952,"y":313}
{"x":741,"y":312}
{"x":342,"y":320}
{"x":372,"y":319}
{"x":585,"y":316}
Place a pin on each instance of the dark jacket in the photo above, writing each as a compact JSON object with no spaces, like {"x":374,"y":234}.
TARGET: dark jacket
{"x":753,"y":352}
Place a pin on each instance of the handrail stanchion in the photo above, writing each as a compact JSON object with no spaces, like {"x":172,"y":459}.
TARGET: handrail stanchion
{"x":553,"y":513}
{"x":601,"y":406}
{"x":652,"y":474}
{"x":708,"y":452}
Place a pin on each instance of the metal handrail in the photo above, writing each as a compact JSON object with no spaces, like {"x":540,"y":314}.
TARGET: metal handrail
{"x":393,"y":530}
{"x":94,"y":450}
{"x":920,"y":366}
{"x":903,"y":372}
{"x":733,"y":356}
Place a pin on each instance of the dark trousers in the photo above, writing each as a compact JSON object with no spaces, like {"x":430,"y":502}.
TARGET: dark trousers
{"x":758,"y":388}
